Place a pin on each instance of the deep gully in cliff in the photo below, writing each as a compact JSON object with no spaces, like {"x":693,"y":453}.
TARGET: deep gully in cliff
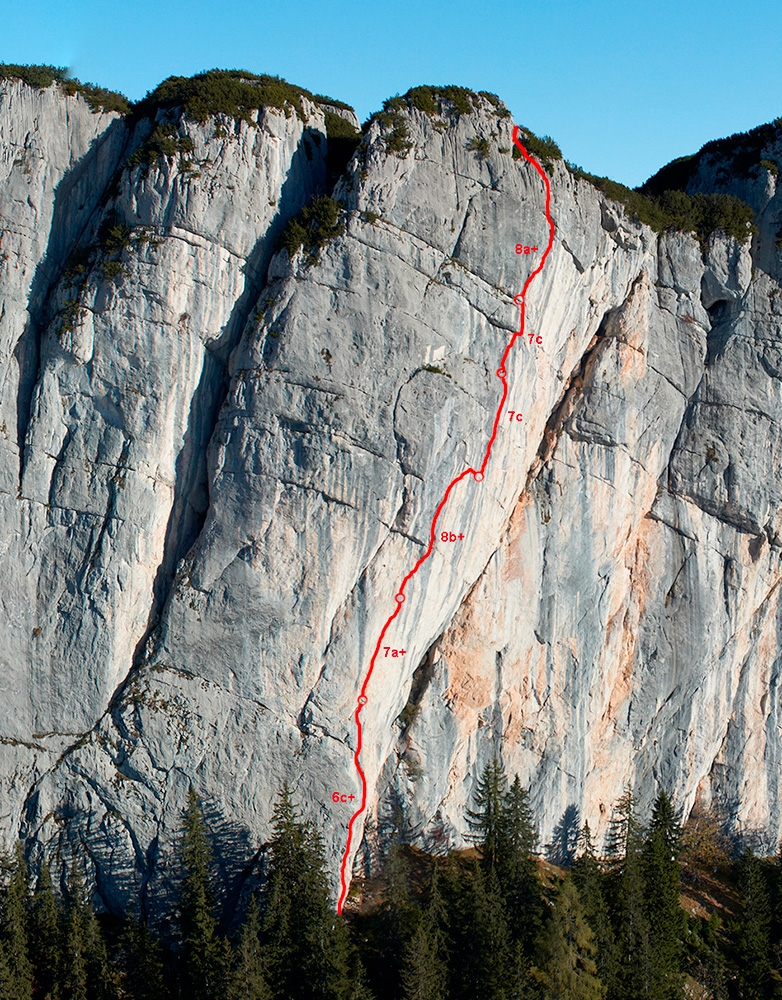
{"x":477,"y":475}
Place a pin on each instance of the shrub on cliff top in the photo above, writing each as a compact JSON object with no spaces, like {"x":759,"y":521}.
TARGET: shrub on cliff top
{"x":98,"y":98}
{"x":701,"y":214}
{"x":33,"y":76}
{"x":338,"y":127}
{"x":741,"y":152}
{"x":234,"y":93}
{"x":437,"y":100}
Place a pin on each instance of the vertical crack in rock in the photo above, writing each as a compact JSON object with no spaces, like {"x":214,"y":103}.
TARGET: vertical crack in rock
{"x":48,"y":273}
{"x":420,"y":681}
{"x":191,"y":487}
{"x":568,"y":399}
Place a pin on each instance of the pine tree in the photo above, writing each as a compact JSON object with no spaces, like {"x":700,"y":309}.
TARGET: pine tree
{"x":752,"y":937}
{"x":248,"y":981}
{"x":16,"y":910}
{"x":46,"y":937}
{"x":567,"y":951}
{"x":633,"y":973}
{"x":425,"y":969}
{"x":662,"y":875}
{"x":203,"y":971}
{"x":306,"y":951}
{"x":486,"y":820}
{"x":517,"y":868}
{"x":141,"y":962}
{"x":589,"y":879}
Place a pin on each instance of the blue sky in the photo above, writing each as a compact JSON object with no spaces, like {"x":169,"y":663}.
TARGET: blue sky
{"x":623,"y":86}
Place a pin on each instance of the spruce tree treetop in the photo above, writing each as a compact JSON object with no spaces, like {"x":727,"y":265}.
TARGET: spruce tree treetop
{"x":203,"y":953}
{"x":306,"y":950}
{"x":486,"y":820}
{"x":662,"y":874}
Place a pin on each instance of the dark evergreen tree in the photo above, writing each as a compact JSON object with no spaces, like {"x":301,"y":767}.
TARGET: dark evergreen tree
{"x":397,"y":917}
{"x":85,"y":974}
{"x":662,"y":874}
{"x":706,"y":959}
{"x":425,"y":969}
{"x":633,"y":975}
{"x":140,"y":962}
{"x":306,"y":951}
{"x":6,"y":984}
{"x":46,"y":937}
{"x":487,"y":819}
{"x":752,"y":932}
{"x":566,"y":951}
{"x":248,"y":981}
{"x":517,"y":867}
{"x":424,"y":977}
{"x":489,"y":962}
{"x":589,"y":879}
{"x":15,"y":917}
{"x":203,"y":970}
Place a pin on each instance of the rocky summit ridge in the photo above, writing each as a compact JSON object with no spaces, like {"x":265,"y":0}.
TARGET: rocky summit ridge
{"x":244,"y":350}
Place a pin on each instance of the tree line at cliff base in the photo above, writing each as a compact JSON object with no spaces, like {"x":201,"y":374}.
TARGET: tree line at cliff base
{"x":663,"y":912}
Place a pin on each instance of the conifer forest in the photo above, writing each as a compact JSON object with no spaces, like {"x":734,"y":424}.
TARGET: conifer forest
{"x":660,"y":910}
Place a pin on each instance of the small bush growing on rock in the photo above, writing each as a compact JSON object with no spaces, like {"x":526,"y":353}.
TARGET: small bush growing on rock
{"x":164,"y":140}
{"x":313,"y":227}
{"x":69,"y":314}
{"x":113,"y":235}
{"x":112,"y":270}
{"x":499,"y":108}
{"x":395,"y":127}
{"x":543,"y":148}
{"x":338,"y":127}
{"x":479,"y":146}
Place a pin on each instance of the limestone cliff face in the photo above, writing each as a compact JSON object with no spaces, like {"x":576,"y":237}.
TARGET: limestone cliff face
{"x":227,"y":462}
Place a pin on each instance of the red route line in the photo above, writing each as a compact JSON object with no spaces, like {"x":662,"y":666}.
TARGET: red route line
{"x":478,"y":475}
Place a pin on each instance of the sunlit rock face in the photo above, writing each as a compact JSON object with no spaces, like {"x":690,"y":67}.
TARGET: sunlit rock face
{"x":219,"y":463}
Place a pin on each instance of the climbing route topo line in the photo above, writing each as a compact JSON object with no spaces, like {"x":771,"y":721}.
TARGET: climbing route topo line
{"x":477,"y":475}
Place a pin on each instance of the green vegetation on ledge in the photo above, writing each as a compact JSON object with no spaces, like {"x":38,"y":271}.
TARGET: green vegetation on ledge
{"x":98,"y":98}
{"x":338,"y":127}
{"x":231,"y":92}
{"x":165,"y":140}
{"x":432,"y":101}
{"x":435,"y":101}
{"x":543,"y":148}
{"x":701,"y":214}
{"x":313,"y":227}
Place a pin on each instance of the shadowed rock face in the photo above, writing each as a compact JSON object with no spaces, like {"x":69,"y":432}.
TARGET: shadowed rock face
{"x":217,"y":465}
